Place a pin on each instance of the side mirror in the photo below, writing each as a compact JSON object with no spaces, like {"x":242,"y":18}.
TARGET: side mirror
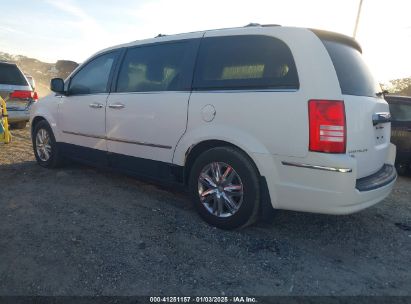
{"x":57,"y":86}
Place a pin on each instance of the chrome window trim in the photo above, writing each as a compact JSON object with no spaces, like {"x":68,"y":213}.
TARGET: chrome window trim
{"x":244,"y":90}
{"x":150,"y":92}
{"x":207,"y":91}
{"x":78,"y":95}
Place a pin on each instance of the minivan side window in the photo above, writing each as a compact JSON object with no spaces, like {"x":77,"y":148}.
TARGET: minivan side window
{"x":157,"y":67}
{"x":243,"y":62}
{"x":93,"y":77}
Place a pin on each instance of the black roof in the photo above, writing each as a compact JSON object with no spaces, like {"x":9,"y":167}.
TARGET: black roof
{"x":397,"y":98}
{"x":7,"y":62}
{"x":332,"y":36}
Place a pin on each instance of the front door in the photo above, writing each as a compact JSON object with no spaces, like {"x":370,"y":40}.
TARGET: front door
{"x":82,"y":111}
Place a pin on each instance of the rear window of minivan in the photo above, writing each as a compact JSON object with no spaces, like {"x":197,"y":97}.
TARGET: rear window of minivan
{"x":353,"y":74}
{"x":11,"y":75}
{"x":244,"y":62}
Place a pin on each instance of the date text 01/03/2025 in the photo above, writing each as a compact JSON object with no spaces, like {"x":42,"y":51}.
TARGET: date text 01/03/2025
{"x":222,"y":299}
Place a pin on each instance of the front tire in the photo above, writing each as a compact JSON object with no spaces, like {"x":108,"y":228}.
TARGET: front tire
{"x":45,"y":146}
{"x":224,"y":187}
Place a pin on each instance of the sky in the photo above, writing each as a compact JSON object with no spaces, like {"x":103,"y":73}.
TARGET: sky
{"x":50,"y":30}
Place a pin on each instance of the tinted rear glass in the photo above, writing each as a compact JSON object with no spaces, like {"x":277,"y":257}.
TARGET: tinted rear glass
{"x":400,"y":112}
{"x":11,"y":75}
{"x":158,"y":67}
{"x":353,"y":74}
{"x":241,"y":62}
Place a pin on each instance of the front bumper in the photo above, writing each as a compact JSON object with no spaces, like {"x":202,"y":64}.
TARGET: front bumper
{"x":324,"y":191}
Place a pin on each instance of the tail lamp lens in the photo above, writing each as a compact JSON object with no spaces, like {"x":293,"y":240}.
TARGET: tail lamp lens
{"x":328,"y":131}
{"x":24,"y":95}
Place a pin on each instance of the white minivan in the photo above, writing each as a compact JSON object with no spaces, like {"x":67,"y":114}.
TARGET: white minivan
{"x":248,"y":119}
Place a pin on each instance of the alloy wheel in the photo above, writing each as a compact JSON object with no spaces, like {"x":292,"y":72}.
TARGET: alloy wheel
{"x":220,"y":189}
{"x":43,"y":146}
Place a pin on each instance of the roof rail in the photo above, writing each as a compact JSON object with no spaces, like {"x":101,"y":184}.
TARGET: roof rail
{"x":262,"y":25}
{"x":252,"y":24}
{"x":268,"y":25}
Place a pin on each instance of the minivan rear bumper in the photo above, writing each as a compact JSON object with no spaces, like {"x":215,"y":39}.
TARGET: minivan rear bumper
{"x":321,"y":190}
{"x":383,"y":177}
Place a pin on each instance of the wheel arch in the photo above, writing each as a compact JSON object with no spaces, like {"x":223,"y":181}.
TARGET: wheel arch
{"x":197,"y":149}
{"x":45,"y":116}
{"x":266,"y":208}
{"x":35,"y":121}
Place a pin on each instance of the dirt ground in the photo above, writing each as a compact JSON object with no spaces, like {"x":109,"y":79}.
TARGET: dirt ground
{"x":82,"y":231}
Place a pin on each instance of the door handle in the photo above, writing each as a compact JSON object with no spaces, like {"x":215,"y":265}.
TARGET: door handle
{"x":117,"y":106}
{"x":96,"y":105}
{"x":382,"y":117}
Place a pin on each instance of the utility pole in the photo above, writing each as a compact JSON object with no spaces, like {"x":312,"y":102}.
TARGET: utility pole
{"x":358,"y":19}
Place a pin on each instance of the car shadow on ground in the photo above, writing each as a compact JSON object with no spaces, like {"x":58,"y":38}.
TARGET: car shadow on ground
{"x":177,"y":197}
{"x":64,"y":228}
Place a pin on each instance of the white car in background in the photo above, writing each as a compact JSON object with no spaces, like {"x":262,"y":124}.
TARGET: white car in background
{"x":248,"y":119}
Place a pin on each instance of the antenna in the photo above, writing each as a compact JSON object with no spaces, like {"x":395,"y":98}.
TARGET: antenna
{"x":358,"y":20}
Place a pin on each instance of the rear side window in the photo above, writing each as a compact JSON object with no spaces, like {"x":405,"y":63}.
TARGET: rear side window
{"x":93,"y":77}
{"x":241,"y":62}
{"x":400,"y":112}
{"x":352,"y":72}
{"x":11,"y":75}
{"x":157,"y":67}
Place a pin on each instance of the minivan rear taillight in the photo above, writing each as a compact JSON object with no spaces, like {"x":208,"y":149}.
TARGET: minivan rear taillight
{"x":328,"y":130}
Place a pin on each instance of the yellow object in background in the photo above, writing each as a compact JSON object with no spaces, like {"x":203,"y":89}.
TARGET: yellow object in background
{"x":5,"y":136}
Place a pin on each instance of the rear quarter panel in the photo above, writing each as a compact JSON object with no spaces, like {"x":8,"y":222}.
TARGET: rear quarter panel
{"x":264,"y":121}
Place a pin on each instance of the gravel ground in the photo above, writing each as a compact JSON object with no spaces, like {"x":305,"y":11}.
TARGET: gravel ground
{"x":82,"y":231}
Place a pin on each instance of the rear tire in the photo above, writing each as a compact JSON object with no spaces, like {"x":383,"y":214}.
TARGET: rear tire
{"x":229,"y":199}
{"x":45,"y":147}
